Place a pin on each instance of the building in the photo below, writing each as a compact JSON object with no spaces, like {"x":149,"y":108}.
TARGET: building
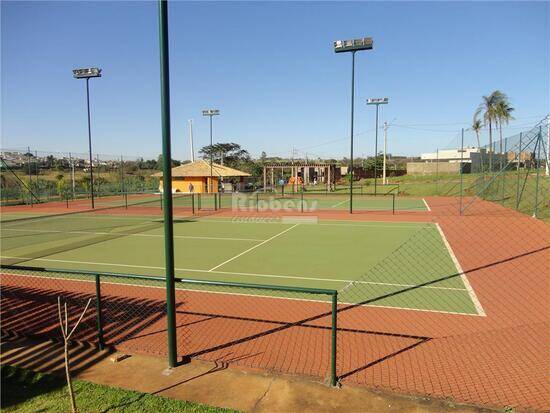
{"x":474,"y":160}
{"x":197,"y":174}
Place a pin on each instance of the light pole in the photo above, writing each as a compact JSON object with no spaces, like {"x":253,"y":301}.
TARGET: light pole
{"x":377,"y":102}
{"x":353,"y":46}
{"x":88,"y":73}
{"x":210,"y":113}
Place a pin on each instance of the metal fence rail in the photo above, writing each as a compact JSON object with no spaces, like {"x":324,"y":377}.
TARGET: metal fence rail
{"x":129,"y":308}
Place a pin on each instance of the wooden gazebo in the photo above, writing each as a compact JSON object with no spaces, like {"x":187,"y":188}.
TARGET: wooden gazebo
{"x":307,"y":172}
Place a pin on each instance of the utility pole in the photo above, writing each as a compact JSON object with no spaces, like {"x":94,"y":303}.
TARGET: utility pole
{"x":192,"y":148}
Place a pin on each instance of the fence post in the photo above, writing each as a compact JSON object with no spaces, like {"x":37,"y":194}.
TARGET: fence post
{"x":503,"y":172}
{"x":518,"y":167}
{"x":461,"y":167}
{"x":199,"y":200}
{"x":99,"y":318}
{"x":193,"y":204}
{"x":334,"y":339}
{"x":437,"y":172}
{"x":538,"y":165}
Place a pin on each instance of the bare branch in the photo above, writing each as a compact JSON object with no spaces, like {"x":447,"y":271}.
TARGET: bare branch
{"x":60,"y":318}
{"x":79,"y":319}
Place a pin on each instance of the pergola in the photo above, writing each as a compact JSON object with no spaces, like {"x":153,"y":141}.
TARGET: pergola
{"x":324,"y":171}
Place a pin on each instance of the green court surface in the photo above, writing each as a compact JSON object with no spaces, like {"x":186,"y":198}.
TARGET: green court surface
{"x":355,"y":257}
{"x":308,"y":201}
{"x":321,"y":201}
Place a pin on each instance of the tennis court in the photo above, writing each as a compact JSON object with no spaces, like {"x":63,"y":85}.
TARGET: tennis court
{"x":326,"y":254}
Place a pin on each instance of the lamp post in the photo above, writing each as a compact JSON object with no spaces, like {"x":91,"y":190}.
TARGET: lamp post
{"x":377,"y":102}
{"x":88,"y":73}
{"x":352,"y":46}
{"x":210,"y":113}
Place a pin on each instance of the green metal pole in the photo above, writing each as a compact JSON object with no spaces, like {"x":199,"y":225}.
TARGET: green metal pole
{"x":461,"y":167}
{"x":98,"y":315}
{"x":351,"y":134}
{"x":437,"y":172}
{"x":505,"y":167}
{"x":538,"y":165}
{"x":518,"y":173}
{"x":334,"y":340}
{"x":167,"y":186}
{"x":376,"y":152}
{"x":30,"y":176}
{"x":193,"y":204}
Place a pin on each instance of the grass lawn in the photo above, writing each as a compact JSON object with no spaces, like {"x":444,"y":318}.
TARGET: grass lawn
{"x":28,"y":391}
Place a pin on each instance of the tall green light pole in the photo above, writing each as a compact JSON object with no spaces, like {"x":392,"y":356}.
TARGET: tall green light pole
{"x":210,"y":113}
{"x":87,"y":74}
{"x":352,"y":46}
{"x":167,"y":184}
{"x":377,"y":102}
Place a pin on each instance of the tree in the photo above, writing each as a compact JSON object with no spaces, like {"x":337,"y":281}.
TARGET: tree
{"x":369,"y":163}
{"x":230,"y":154}
{"x":504,"y":115}
{"x":488,"y":108}
{"x":63,"y":187}
{"x":160,"y":162}
{"x":476,"y":127}
{"x":67,"y":334}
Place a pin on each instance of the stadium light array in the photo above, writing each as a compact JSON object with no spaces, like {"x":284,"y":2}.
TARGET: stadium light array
{"x":86,"y":73}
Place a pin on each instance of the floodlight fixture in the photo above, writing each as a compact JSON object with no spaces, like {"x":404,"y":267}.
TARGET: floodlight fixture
{"x":210,"y":112}
{"x":86,"y":73}
{"x":353,"y":45}
{"x":377,"y":101}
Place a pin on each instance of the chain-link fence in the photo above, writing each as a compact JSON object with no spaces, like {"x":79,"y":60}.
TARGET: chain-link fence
{"x":448,"y":300}
{"x":31,"y":176}
{"x":243,"y":324}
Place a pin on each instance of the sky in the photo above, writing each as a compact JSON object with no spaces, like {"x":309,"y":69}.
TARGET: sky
{"x":270,"y":68}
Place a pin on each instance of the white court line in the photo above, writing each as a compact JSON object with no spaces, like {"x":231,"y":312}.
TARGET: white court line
{"x":469,"y":288}
{"x":149,"y":267}
{"x":339,"y":203}
{"x":368,"y":224}
{"x":427,"y":206}
{"x":253,"y":248}
{"x":131,"y":235}
{"x":245,"y":295}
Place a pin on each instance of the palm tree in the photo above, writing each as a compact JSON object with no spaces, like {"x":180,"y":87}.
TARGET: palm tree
{"x":477,"y":125}
{"x":504,"y":115}
{"x":488,"y":108}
